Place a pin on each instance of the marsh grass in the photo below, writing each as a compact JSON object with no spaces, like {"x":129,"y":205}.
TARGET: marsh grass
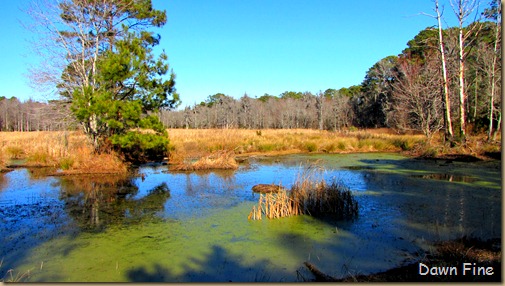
{"x":311,"y":195}
{"x":223,"y":160}
{"x":12,"y":276}
{"x":69,"y":151}
{"x":197,"y":143}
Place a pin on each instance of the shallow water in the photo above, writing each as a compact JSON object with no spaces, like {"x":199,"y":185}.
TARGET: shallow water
{"x":193,"y":227}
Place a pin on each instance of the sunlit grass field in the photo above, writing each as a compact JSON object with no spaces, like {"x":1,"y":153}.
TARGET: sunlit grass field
{"x":196,"y":142}
{"x":71,"y":151}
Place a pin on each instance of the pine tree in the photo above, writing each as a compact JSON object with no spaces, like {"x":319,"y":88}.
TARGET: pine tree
{"x":113,"y":80}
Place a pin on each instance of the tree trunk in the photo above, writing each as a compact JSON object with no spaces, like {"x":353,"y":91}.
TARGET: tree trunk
{"x":449,"y":134}
{"x":462,"y":95}
{"x":493,"y":83}
{"x":497,"y":126}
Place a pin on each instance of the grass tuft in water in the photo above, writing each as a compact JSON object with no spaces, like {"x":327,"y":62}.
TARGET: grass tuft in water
{"x":309,"y":195}
{"x":11,"y":276}
{"x":218,"y":160}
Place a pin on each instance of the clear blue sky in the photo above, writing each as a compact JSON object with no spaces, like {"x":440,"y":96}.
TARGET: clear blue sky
{"x":253,"y":46}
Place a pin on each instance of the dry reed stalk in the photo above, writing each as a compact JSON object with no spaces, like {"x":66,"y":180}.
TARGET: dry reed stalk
{"x":309,"y":195}
{"x":274,"y":205}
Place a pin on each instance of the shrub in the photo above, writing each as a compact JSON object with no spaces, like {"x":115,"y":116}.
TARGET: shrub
{"x":66,"y":163}
{"x":341,"y":145}
{"x":430,"y":152}
{"x":403,"y":144}
{"x":15,"y":152}
{"x":140,"y":147}
{"x":310,"y":146}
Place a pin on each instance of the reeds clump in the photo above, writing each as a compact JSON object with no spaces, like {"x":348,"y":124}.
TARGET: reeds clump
{"x":274,"y":205}
{"x":309,"y":195}
{"x":323,"y":199}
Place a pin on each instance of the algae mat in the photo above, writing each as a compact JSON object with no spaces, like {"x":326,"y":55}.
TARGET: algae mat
{"x":162,"y":226}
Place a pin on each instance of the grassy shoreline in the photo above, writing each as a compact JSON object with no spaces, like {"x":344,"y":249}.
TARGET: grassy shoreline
{"x":191,"y":143}
{"x":70,"y":152}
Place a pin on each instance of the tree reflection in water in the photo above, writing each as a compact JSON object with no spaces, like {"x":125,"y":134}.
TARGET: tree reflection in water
{"x":96,"y":202}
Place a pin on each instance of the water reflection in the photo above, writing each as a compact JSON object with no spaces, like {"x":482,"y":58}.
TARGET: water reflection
{"x":97,"y":202}
{"x":447,"y":177}
{"x":204,"y":214}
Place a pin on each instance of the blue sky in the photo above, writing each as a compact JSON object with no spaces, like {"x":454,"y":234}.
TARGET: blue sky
{"x":253,"y":46}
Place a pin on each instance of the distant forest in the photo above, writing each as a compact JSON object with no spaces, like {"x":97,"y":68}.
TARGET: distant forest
{"x":446,"y":79}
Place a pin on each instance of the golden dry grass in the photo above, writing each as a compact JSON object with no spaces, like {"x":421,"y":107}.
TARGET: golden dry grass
{"x":194,"y":149}
{"x":217,"y":160}
{"x":197,"y":143}
{"x":309,"y":195}
{"x":69,"y":151}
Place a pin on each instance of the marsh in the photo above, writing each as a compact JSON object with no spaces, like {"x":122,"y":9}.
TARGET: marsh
{"x":166,"y":226}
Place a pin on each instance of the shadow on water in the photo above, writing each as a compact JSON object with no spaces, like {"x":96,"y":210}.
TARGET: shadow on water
{"x":98,"y":202}
{"x":36,"y":208}
{"x":218,"y":266}
{"x":440,"y":201}
{"x":407,"y":205}
{"x":200,"y":234}
{"x":447,"y":177}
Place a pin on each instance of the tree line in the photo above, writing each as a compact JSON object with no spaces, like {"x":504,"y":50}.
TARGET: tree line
{"x":31,"y":115}
{"x":100,"y":59}
{"x":325,"y":110}
{"x":446,"y":79}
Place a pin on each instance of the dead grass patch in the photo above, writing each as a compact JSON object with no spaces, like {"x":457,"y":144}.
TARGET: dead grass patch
{"x":309,"y":195}
{"x":199,"y":142}
{"x":68,"y":151}
{"x":223,"y":160}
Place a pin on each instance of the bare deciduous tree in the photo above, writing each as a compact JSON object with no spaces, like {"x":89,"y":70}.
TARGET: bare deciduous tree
{"x":416,"y":102}
{"x":463,"y":9}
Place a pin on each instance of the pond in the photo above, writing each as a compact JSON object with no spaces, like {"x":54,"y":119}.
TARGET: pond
{"x":192,"y":227}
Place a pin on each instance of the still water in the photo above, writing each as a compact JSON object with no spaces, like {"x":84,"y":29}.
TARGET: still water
{"x":192,"y":227}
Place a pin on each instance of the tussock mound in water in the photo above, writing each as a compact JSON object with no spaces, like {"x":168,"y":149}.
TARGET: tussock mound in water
{"x":264,"y":188}
{"x":309,"y":195}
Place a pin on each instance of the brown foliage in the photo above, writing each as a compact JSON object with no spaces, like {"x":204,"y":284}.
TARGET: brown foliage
{"x":216,"y":160}
{"x":68,"y":151}
{"x":309,"y":195}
